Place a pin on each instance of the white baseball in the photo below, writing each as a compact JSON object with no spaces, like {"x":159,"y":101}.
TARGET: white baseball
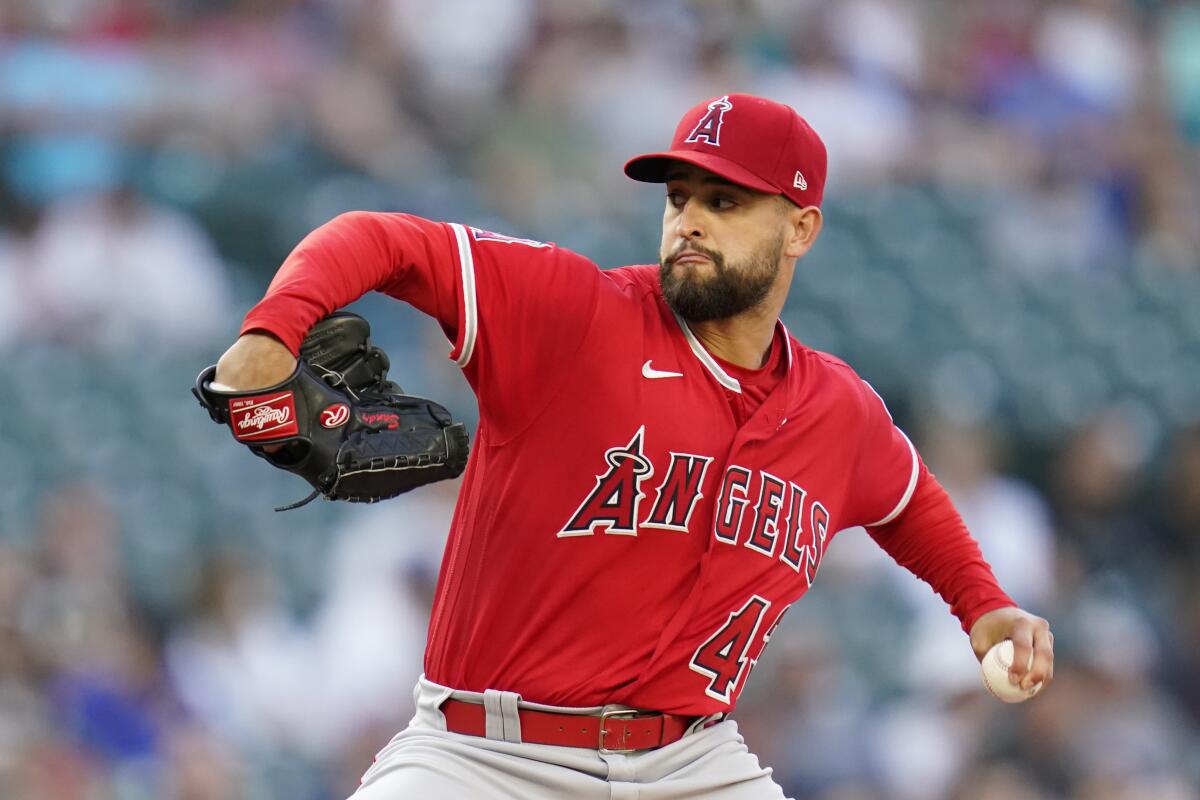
{"x":995,"y":674}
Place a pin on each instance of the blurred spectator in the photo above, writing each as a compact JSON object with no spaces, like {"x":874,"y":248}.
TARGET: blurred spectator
{"x":1092,"y":48}
{"x":1180,"y":507}
{"x":1178,"y":34}
{"x":240,"y":664}
{"x":807,"y":711}
{"x":1095,"y":484}
{"x":79,"y":598}
{"x":201,"y":767}
{"x":113,"y":271}
{"x":358,"y":109}
{"x":1008,"y":517}
{"x":1110,"y":724}
{"x":19,"y":222}
{"x":24,"y":717}
{"x":1180,"y":501}
{"x":116,"y":705}
{"x":1004,"y":781}
{"x":462,"y":52}
{"x":868,"y":125}
{"x":880,"y":39}
{"x":369,"y":632}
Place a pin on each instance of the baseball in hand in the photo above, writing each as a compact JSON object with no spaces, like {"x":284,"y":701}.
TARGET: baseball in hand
{"x":995,"y":674}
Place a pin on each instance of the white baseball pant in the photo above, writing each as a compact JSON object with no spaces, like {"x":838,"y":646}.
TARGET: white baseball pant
{"x":426,"y":761}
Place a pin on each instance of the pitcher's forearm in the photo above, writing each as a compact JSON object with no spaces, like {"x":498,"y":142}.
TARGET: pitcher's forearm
{"x":254,"y":361}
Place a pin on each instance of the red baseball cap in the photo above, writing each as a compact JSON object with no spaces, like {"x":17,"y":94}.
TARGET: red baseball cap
{"x":748,"y":140}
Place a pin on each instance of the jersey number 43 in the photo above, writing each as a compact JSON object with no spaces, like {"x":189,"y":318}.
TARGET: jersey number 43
{"x":737,"y":644}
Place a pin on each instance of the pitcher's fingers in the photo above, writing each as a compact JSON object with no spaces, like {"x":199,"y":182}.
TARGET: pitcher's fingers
{"x":1043,"y":657}
{"x":1022,"y":639}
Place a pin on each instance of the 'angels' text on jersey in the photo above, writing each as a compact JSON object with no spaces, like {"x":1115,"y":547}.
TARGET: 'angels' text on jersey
{"x":764,"y":513}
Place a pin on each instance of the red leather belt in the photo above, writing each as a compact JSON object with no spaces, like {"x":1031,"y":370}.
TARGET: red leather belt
{"x":617,"y":731}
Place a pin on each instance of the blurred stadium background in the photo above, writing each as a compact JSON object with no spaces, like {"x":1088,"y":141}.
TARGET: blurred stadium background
{"x":1011,"y":256}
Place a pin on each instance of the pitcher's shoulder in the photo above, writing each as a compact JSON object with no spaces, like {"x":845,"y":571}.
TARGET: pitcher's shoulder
{"x":639,"y":276}
{"x":826,"y":373}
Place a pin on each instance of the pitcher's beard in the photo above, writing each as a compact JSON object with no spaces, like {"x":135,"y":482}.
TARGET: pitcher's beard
{"x":724,"y":293}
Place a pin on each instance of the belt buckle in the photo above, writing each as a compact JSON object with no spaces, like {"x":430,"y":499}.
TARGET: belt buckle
{"x":618,"y":713}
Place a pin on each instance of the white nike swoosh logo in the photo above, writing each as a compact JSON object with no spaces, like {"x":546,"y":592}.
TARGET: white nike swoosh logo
{"x":650,"y":372}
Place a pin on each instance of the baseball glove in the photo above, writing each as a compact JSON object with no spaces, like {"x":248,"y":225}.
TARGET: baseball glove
{"x":339,"y":423}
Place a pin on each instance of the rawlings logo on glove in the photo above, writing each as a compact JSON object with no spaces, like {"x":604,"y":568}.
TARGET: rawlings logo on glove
{"x":335,"y":416}
{"x":339,"y":423}
{"x":269,"y":416}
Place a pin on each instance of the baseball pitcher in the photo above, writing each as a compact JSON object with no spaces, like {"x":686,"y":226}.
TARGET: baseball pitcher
{"x":658,"y":471}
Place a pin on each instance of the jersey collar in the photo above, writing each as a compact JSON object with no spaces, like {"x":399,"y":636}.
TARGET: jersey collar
{"x":715,"y":369}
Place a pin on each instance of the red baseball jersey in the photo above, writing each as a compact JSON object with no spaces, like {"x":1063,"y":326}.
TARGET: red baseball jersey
{"x":623,"y":534}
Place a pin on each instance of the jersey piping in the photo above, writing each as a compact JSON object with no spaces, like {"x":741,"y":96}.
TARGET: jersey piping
{"x":912,"y":485}
{"x":916,"y":466}
{"x":724,"y":378}
{"x":787,"y":344}
{"x":470,"y":322}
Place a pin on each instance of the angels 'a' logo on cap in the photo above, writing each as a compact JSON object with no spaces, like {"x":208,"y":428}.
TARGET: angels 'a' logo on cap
{"x":708,"y":129}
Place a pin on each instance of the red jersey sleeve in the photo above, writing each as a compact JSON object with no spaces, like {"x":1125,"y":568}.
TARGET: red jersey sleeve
{"x":405,"y":256}
{"x":931,"y":541}
{"x":886,"y":465}
{"x":515,"y":309}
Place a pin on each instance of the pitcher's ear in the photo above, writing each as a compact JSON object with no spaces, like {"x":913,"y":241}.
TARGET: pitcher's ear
{"x":804,"y":225}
